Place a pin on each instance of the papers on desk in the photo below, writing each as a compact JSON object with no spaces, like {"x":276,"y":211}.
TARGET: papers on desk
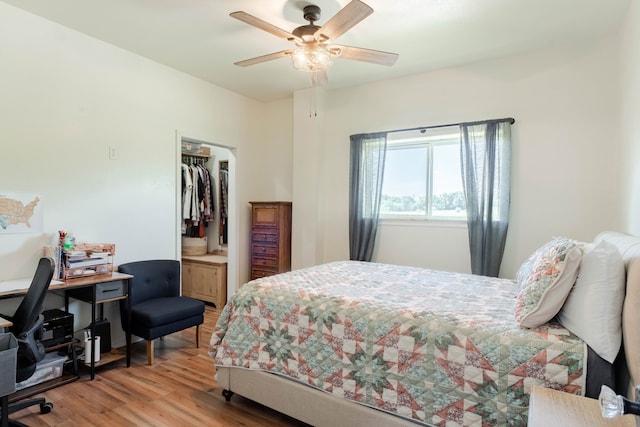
{"x":20,"y":284}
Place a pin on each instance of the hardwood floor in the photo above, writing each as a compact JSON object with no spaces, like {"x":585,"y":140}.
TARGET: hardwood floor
{"x":178,"y":390}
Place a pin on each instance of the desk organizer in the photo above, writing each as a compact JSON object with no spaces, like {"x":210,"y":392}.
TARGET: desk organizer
{"x":87,"y":259}
{"x":8,"y":361}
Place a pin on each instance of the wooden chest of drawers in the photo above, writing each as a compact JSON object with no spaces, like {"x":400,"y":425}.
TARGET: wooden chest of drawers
{"x":270,"y":238}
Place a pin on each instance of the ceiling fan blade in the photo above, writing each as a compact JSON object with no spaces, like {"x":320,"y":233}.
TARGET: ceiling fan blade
{"x":365,"y":55}
{"x":319,"y":78}
{"x":342,"y":21}
{"x":263,"y":25}
{"x":263,"y":58}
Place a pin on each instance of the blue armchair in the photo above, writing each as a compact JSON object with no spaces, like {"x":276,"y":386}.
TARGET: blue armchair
{"x":157,"y":309}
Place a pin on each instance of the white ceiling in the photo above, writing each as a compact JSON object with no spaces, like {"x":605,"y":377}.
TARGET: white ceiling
{"x":199,"y":38}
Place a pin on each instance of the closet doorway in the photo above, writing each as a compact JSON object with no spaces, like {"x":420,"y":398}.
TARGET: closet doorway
{"x":208,"y":240}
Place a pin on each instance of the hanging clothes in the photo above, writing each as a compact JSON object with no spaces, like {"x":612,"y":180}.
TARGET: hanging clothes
{"x":198,"y":206}
{"x":187,"y":188}
{"x":208,"y":209}
{"x":224,"y":202}
{"x":195,"y":194}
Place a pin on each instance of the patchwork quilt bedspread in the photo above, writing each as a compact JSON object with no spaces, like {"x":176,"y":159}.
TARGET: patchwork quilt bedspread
{"x":437,"y":347}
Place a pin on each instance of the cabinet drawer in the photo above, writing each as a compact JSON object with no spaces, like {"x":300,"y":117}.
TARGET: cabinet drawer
{"x":264,"y":250}
{"x":257,"y":273}
{"x":263,"y":229}
{"x":264,"y":262}
{"x":264,"y":237}
{"x":265,"y":215}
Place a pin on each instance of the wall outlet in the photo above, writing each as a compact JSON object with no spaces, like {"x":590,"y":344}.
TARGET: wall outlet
{"x":113,"y":152}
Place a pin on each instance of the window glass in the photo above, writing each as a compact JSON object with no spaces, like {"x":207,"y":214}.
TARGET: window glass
{"x":447,"y":192}
{"x":422,"y":177}
{"x":405,"y":181}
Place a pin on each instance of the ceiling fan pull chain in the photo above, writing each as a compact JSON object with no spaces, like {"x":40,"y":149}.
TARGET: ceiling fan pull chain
{"x":313,"y":102}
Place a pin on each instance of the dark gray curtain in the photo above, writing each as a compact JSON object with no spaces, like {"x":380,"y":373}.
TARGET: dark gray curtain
{"x":486,"y":174}
{"x":365,"y":190}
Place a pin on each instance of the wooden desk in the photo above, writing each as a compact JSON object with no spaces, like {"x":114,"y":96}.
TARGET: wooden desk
{"x":73,"y":288}
{"x":4,"y":323}
{"x":555,"y":408}
{"x":57,"y":285}
{"x":74,"y":285}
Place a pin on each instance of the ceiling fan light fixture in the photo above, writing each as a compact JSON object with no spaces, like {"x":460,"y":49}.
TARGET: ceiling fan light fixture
{"x":311,"y":57}
{"x":313,"y":50}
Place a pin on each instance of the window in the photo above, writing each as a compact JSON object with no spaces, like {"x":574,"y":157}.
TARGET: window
{"x":422,"y":175}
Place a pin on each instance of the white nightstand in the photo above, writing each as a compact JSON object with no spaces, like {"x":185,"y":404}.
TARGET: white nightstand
{"x":555,"y":408}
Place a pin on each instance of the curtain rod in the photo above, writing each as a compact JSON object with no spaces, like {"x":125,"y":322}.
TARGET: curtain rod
{"x":511,"y":120}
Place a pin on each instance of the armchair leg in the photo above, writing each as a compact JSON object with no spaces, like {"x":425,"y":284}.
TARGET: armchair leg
{"x":197,"y":336}
{"x":150,"y":352}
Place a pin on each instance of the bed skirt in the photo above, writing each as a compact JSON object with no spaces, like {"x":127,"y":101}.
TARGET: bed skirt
{"x":304,"y":403}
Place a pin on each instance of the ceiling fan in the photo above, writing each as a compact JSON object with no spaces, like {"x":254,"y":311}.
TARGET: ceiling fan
{"x":313,"y":49}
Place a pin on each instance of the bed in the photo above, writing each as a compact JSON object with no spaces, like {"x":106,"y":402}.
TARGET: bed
{"x":361,"y":344}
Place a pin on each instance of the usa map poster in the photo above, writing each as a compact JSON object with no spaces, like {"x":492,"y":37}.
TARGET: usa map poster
{"x":20,"y":213}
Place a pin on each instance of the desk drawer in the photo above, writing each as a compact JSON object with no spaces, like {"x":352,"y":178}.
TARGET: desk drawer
{"x":104,"y":291}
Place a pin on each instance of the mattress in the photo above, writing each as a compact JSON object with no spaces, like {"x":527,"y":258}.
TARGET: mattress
{"x":435,"y":347}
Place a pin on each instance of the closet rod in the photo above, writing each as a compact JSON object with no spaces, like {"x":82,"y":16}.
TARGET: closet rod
{"x":197,"y":156}
{"x":194,"y":160}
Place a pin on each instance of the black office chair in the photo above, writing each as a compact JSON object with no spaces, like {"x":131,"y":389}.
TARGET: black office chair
{"x":157,"y":309}
{"x":27,"y":328}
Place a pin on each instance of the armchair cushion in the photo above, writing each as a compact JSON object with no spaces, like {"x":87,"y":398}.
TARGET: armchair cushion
{"x":160,"y":311}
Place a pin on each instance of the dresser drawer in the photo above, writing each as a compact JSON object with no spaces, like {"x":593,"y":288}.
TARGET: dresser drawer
{"x":257,"y":273}
{"x":261,"y":236}
{"x":263,"y":250}
{"x":264,"y":262}
{"x":266,"y":215}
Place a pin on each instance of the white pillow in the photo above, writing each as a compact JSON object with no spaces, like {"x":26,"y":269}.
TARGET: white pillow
{"x":545,"y":280}
{"x":593,"y":310}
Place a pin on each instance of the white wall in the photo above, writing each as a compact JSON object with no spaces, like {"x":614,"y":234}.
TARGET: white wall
{"x":310,"y":163}
{"x":565,"y":148}
{"x":66,"y":98}
{"x":630,"y":93}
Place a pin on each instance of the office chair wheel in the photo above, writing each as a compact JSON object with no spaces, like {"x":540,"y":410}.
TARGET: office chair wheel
{"x":45,"y":408}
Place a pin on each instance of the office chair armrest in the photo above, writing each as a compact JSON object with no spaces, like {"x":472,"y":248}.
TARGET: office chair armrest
{"x":29,"y":345}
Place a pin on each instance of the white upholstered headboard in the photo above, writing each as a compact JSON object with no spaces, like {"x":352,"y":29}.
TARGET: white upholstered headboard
{"x":629,"y":247}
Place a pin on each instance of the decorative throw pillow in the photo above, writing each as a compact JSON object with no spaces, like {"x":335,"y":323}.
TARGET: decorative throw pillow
{"x":593,"y":310}
{"x":545,"y":280}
